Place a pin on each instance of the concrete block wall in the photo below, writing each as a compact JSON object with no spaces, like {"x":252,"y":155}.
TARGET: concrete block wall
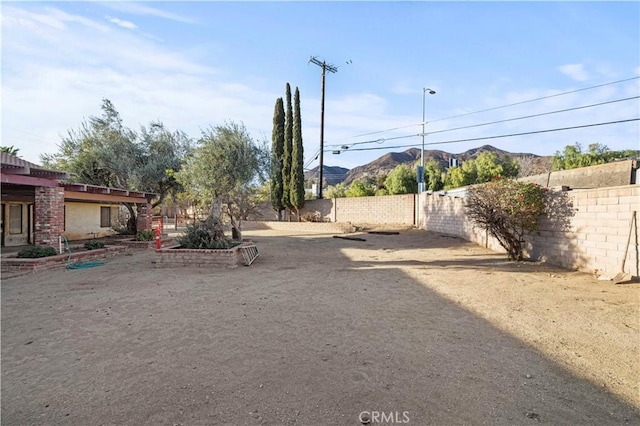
{"x":592,"y":236}
{"x":597,"y":235}
{"x":310,"y":227}
{"x":394,"y":209}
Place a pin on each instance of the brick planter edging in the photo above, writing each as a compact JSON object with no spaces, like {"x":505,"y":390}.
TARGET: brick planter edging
{"x":172,"y":256}
{"x":144,"y":245}
{"x":14,"y":264}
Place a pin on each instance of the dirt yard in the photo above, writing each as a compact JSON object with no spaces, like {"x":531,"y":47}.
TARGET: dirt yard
{"x":415,"y":328}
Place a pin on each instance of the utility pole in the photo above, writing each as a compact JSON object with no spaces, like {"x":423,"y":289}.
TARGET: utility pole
{"x":325,"y":67}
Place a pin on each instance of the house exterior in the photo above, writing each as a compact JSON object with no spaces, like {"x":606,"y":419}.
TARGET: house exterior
{"x":37,"y":207}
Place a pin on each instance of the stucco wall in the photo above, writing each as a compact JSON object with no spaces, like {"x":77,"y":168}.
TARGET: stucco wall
{"x":82,"y":220}
{"x":604,"y":175}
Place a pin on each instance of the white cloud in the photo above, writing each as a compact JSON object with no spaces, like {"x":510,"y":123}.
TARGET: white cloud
{"x":575,"y":71}
{"x":138,"y":8}
{"x":124,"y":24}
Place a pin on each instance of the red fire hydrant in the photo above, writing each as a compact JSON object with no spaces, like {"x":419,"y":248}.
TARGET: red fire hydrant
{"x":158,"y":242}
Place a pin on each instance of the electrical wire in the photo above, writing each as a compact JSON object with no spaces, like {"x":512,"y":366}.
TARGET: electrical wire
{"x":537,"y":99}
{"x":533,"y":115}
{"x":495,"y":108}
{"x":500,"y":136}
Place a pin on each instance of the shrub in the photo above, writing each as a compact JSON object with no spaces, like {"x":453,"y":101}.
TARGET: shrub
{"x":508,"y":209}
{"x":36,"y":252}
{"x":313,"y":216}
{"x":122,"y":229}
{"x":93,"y":245}
{"x":146,"y":235}
{"x":207,"y":234}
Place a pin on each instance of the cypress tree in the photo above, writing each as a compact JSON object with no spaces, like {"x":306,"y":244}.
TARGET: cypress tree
{"x":277,"y":148}
{"x":297,"y":164}
{"x":288,"y":148}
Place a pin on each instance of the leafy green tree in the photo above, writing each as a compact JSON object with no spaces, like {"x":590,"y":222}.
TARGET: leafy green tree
{"x":161,"y":156}
{"x":223,"y":170}
{"x":573,"y":157}
{"x":338,"y":190}
{"x":434,"y":173}
{"x":359,"y":188}
{"x":277,"y":151}
{"x":455,"y":178}
{"x":401,"y":180}
{"x":508,"y":209}
{"x":486,"y":167}
{"x":297,"y":165}
{"x":103,"y":151}
{"x":489,"y":166}
{"x":11,"y":150}
{"x":287,"y":152}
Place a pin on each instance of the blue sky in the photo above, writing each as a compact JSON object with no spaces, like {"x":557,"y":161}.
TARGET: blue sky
{"x":196,"y":64}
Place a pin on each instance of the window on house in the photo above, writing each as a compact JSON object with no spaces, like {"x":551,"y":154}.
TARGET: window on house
{"x":105,"y":217}
{"x":15,"y":219}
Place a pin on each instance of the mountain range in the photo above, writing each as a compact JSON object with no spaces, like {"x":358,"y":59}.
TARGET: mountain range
{"x":333,"y":175}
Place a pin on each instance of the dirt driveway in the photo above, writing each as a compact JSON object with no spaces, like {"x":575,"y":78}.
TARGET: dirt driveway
{"x":414,"y":328}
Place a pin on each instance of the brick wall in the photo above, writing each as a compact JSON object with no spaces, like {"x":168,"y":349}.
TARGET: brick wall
{"x":144,"y":217}
{"x":588,"y":230}
{"x":48,"y":215}
{"x":176,"y":257}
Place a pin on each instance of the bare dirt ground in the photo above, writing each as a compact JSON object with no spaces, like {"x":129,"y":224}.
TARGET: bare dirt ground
{"x":425,"y":328}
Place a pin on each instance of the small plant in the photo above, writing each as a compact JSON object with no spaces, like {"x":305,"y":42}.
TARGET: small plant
{"x":313,"y":216}
{"x":36,"y":252}
{"x":207,"y":234}
{"x":93,"y":245}
{"x":146,"y":235}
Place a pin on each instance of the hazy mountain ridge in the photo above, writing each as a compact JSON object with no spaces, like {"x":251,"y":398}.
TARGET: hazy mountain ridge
{"x":383,"y":165}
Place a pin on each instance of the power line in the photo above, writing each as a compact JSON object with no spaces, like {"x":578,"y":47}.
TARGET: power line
{"x":498,"y":121}
{"x":534,"y":115}
{"x":500,"y":136}
{"x":499,"y":107}
{"x":537,"y":99}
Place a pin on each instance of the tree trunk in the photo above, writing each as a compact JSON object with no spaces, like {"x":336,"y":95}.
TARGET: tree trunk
{"x":132,"y":224}
{"x":216,"y":209}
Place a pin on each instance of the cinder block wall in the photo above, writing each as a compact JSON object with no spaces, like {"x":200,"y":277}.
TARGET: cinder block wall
{"x":597,"y":235}
{"x":588,"y":230}
{"x":397,"y":209}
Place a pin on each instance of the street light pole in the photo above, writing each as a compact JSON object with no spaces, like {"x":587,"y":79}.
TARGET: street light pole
{"x":424,"y":92}
{"x":421,"y":186}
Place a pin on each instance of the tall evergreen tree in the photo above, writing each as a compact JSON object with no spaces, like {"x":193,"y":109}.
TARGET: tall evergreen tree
{"x":277,"y":148}
{"x":288,"y":148}
{"x":297,"y":164}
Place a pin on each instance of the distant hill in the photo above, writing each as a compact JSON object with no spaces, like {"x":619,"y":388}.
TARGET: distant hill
{"x":331,"y":175}
{"x":383,"y":165}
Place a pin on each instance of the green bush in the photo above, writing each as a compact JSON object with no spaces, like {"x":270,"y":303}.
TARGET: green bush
{"x":145,"y":235}
{"x":206,"y":234}
{"x":93,"y":245}
{"x":37,"y":251}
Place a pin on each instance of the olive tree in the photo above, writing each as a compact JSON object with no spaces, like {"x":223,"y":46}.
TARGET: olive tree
{"x":223,"y":170}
